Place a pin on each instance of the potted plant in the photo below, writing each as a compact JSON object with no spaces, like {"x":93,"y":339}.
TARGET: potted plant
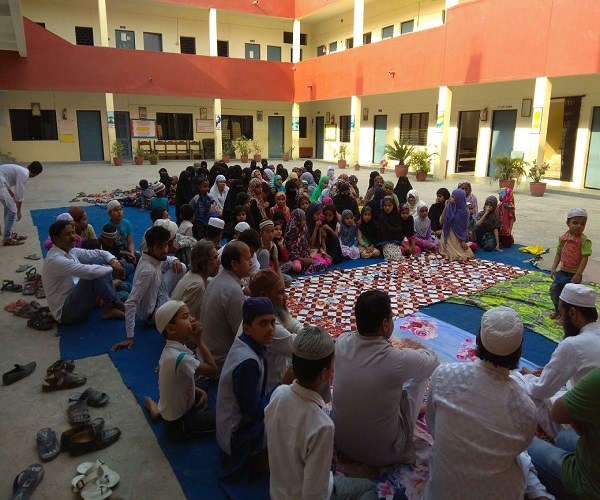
{"x":138,"y":155}
{"x":118,"y":150}
{"x":382,"y":164}
{"x":420,"y":161}
{"x":399,"y":151}
{"x":357,"y":166}
{"x":509,"y":170}
{"x":228,"y":151}
{"x":243,"y":146}
{"x":287,"y":155}
{"x":153,"y":159}
{"x":257,"y":149}
{"x":536,"y":172}
{"x":340,"y":153}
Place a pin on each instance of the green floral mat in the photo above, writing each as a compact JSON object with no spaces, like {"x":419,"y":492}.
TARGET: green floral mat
{"x":528,"y":295}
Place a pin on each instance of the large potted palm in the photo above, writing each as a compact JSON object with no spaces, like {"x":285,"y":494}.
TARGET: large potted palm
{"x":399,"y":151}
{"x":509,"y":170}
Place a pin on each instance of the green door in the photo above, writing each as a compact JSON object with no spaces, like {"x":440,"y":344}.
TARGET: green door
{"x":273,"y":53}
{"x":252,"y":51}
{"x":125,"y":39}
{"x":592,"y":173}
{"x":275,"y":136}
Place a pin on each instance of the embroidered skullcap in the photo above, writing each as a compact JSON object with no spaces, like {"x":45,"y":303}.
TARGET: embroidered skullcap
{"x":166,"y":312}
{"x":577,"y":212}
{"x":112,"y":204}
{"x":263,"y":281}
{"x":256,"y":306}
{"x":240,"y":227}
{"x":313,"y":343}
{"x":65,"y":216}
{"x":501,"y":331}
{"x":578,"y":295}
{"x":216,"y":222}
{"x":220,"y":178}
{"x":109,"y":231}
{"x":264,"y":223}
{"x":169,"y":225}
{"x":158,"y":187}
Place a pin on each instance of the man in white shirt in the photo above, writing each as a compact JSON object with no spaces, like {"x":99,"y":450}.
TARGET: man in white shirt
{"x":576,"y":355}
{"x":74,"y":278}
{"x":378,"y":389}
{"x":156,"y":276}
{"x":480,"y":419}
{"x":15,"y":177}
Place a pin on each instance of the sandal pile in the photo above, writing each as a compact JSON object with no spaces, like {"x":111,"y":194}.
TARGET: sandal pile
{"x":95,"y":480}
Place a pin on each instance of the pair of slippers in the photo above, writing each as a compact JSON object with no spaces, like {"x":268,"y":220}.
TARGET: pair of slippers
{"x":95,"y":480}
{"x":34,"y":289}
{"x":60,"y":376}
{"x":11,"y":286}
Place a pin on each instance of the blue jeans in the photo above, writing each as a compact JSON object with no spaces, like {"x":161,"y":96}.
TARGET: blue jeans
{"x":9,"y":220}
{"x":561,"y":278}
{"x":548,"y":460}
{"x":82,"y":299}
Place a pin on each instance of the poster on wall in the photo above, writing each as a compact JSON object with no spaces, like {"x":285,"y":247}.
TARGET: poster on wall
{"x":440,"y":121}
{"x":206,"y":126}
{"x":66,"y":131}
{"x":110,"y":118}
{"x":218,"y":122}
{"x":536,"y":122}
{"x":295,"y":123}
{"x":143,"y":129}
{"x":352,"y":123}
{"x":330,"y":132}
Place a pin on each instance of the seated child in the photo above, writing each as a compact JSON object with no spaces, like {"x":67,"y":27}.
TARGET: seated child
{"x":182,"y":405}
{"x":173,"y":189}
{"x":268,"y":256}
{"x":423,"y":236}
{"x":240,"y":214}
{"x":214,"y":231}
{"x":65,"y":216}
{"x":317,"y":237}
{"x":160,"y":200}
{"x":146,"y":194}
{"x":472,"y":234}
{"x":487,"y":228}
{"x":296,"y":239}
{"x":367,"y":234}
{"x":281,"y":205}
{"x":389,"y":231}
{"x":331,"y":231}
{"x":186,"y":229}
{"x":348,"y":232}
{"x":108,"y":242}
{"x":409,"y":246}
{"x":124,"y":231}
{"x":300,"y":433}
{"x":282,"y":254}
{"x":82,"y":226}
{"x":241,"y":397}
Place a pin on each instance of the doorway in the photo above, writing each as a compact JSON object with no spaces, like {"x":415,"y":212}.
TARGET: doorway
{"x":468,"y":132}
{"x":124,"y":39}
{"x":275,"y":136}
{"x":561,"y":137}
{"x":89,"y":131}
{"x":320,"y":136}
{"x":123,"y":132}
{"x":379,"y":137}
{"x":592,"y":173}
{"x":504,"y":124}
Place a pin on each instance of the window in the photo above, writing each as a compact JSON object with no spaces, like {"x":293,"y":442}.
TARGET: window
{"x":303,"y":122}
{"x":367,"y":38}
{"x":84,"y":35}
{"x":234,"y":126}
{"x":288,"y":37}
{"x":273,"y":53}
{"x":26,"y":127}
{"x":222,"y":48}
{"x":175,"y":126}
{"x":345,"y":128}
{"x":407,"y":27}
{"x":387,"y":32}
{"x":321,"y":50}
{"x":332,"y":47}
{"x":187,"y":44}
{"x":153,"y":42}
{"x":349,"y":43}
{"x":413,"y":128}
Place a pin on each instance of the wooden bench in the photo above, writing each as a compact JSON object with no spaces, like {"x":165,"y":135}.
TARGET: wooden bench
{"x":195,"y":150}
{"x":305,"y":152}
{"x":147,"y":147}
{"x":165,"y":149}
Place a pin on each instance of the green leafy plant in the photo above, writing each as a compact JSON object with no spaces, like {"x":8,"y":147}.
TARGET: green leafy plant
{"x":508,"y":168}
{"x":420,"y":159}
{"x":243,"y":145}
{"x":341,"y":152}
{"x":139,"y":151}
{"x":398,"y":151}
{"x":228,"y":147}
{"x":117,"y":149}
{"x":153,"y":158}
{"x":290,"y":151}
{"x":536,"y":172}
{"x":256,"y":147}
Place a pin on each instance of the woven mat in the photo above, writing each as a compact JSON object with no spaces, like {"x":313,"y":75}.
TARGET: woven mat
{"x":328,"y":299}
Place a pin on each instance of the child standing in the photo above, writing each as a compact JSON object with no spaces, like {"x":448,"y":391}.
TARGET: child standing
{"x":507,"y":215}
{"x":146,"y":194}
{"x":367,"y":234}
{"x":182,"y":405}
{"x":203,"y":206}
{"x":348,"y":233}
{"x":572,"y":253}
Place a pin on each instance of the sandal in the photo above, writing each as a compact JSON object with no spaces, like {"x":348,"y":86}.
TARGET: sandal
{"x":33,"y":256}
{"x":42,"y":323}
{"x":32,"y":274}
{"x":29,"y":289}
{"x":18,"y":373}
{"x":93,"y":397}
{"x":58,"y":379}
{"x":22,"y":268}
{"x":16,"y":237}
{"x":98,"y":472}
{"x":14,"y":305}
{"x":12,"y":243}
{"x":26,"y":482}
{"x":78,"y":413}
{"x":47,"y":444}
{"x":66,"y":365}
{"x":10,"y":286}
{"x":39,"y":293}
{"x":26,"y":311}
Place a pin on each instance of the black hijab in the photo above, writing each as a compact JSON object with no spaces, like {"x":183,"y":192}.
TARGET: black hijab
{"x":185,"y":192}
{"x":237,"y":186}
{"x":435,"y":210}
{"x":403,"y":186}
{"x":376,"y":203}
{"x":390,"y":225}
{"x":368,"y":229}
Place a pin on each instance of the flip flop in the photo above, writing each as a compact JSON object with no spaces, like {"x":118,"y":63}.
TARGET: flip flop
{"x":22,"y":268}
{"x":93,"y":397}
{"x":12,"y":243}
{"x":47,"y":443}
{"x":26,"y":482}
{"x":10,"y":286}
{"x":97,"y":472}
{"x":33,"y":256}
{"x":14,"y":305}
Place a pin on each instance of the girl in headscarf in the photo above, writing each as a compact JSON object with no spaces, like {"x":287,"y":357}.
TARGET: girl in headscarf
{"x":423,"y":236}
{"x":331,"y":231}
{"x":323,"y":184}
{"x":342,"y":179}
{"x":372,"y":176}
{"x":354,"y":191}
{"x":507,"y":215}
{"x":303,"y":202}
{"x":455,"y":221}
{"x":388,"y":189}
{"x":278,"y":183}
{"x":281,"y":206}
{"x":347,"y":234}
{"x":256,"y":174}
{"x":291,"y":194}
{"x":367,"y":234}
{"x":281,"y":171}
{"x":466,"y":187}
{"x":409,"y":246}
{"x":237,"y":186}
{"x":258,"y":205}
{"x":312,"y":185}
{"x":185,"y":192}
{"x":316,"y":238}
{"x":488,"y":226}
{"x":268,"y":175}
{"x":389,"y":234}
{"x":297,"y":245}
{"x":246,"y":176}
{"x":436,"y":209}
{"x":219,"y":192}
{"x":376,"y":204}
{"x":165,"y":178}
{"x":403,"y":186}
{"x":308,"y":166}
{"x":377,"y":182}
{"x":331,"y":176}
{"x":412,"y":198}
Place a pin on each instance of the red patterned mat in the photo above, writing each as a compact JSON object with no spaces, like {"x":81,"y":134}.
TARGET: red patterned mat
{"x":328,"y":299}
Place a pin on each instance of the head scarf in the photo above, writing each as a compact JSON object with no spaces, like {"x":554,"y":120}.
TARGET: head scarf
{"x":310,"y":220}
{"x":456,"y":217}
{"x":276,"y":178}
{"x":269,"y":174}
{"x":256,"y":174}
{"x":470,"y":197}
{"x":237,"y":187}
{"x":368,"y":229}
{"x":316,"y":194}
{"x":506,"y":210}
{"x":312,"y":185}
{"x":308,"y":166}
{"x":296,"y":237}
{"x":390,"y":225}
{"x":372,"y":176}
{"x":436,"y":209}
{"x":348,"y":233}
{"x":331,"y":175}
{"x":408,"y":225}
{"x":422,"y":224}
{"x":293,"y":176}
{"x":217,"y":195}
{"x":255,"y":190}
{"x":403,"y":186}
{"x":412,"y":206}
{"x":492,"y":221}
{"x":285,"y":210}
{"x":330,"y":207}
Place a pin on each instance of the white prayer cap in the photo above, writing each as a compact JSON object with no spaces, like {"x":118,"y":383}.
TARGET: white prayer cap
{"x":501,"y":331}
{"x":112,"y":204}
{"x":240,"y":227}
{"x":169,"y":225}
{"x":578,"y":295}
{"x":220,"y":178}
{"x":165,"y":313}
{"x":577,"y":212}
{"x":65,"y":216}
{"x":313,"y":343}
{"x":216,"y":222}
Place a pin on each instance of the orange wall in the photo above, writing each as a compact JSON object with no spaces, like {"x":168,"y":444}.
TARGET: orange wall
{"x":54,"y":64}
{"x":275,"y":8}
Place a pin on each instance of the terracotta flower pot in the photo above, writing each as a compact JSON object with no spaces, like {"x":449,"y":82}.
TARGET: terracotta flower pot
{"x":342,"y":163}
{"x":285,"y":157}
{"x":257,"y":158}
{"x":421,"y":176}
{"x":401,"y":170}
{"x":118,"y":161}
{"x":537,"y":188}
{"x":507,"y":183}
{"x":139,"y":160}
{"x":244,"y":158}
{"x":225,"y":158}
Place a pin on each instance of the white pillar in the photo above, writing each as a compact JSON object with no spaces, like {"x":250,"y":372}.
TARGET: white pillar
{"x":296,"y":41}
{"x":218,"y":132}
{"x":359,"y":17}
{"x":295,"y":130}
{"x":451,"y":3}
{"x":112,"y":131}
{"x":355,"y":118}
{"x":442,"y":130}
{"x":539,"y":119}
{"x":212,"y":32}
{"x":103,"y":23}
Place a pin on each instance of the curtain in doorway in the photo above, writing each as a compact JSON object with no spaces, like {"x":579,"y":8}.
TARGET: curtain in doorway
{"x":570,"y":124}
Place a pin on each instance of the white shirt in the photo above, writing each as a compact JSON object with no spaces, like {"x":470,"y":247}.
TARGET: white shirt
{"x":16,"y":176}
{"x":300,"y":442}
{"x":144,"y":290}
{"x":481,"y":420}
{"x":62,"y":270}
{"x":191,"y":291}
{"x":176,"y":380}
